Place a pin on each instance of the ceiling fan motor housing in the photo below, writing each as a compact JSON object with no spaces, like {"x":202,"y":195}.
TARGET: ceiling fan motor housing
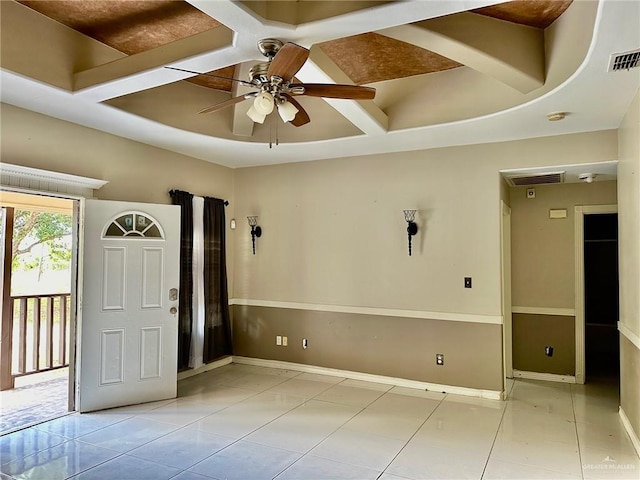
{"x":269,"y":47}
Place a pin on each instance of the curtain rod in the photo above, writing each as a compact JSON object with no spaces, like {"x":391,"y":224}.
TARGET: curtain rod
{"x":171,"y":192}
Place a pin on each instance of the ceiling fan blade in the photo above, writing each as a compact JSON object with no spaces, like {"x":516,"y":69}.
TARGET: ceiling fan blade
{"x":302,"y":117}
{"x":220,"y":106}
{"x":288,"y":61}
{"x":328,"y":90}
{"x":248,"y":84}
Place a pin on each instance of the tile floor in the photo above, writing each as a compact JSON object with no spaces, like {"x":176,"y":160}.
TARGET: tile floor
{"x":243,"y":422}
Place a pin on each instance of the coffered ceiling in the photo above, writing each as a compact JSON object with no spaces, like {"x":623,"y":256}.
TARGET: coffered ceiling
{"x":446,"y":72}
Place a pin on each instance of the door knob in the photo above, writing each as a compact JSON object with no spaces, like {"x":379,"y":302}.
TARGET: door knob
{"x":173,"y":310}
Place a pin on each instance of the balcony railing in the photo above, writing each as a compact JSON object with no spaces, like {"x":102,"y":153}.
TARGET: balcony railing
{"x":40,"y":333}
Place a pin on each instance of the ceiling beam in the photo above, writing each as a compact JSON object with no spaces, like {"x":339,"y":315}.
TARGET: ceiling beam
{"x":235,"y":41}
{"x":363,"y":114}
{"x":388,"y":15}
{"x":508,"y":52}
{"x":137,"y":72}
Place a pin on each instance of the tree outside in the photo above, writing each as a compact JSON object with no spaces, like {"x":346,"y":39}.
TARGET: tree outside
{"x":41,"y":261}
{"x":41,"y":253}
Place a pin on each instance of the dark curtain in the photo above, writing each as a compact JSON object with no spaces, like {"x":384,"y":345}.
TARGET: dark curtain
{"x":185,"y":314}
{"x":217,"y":325}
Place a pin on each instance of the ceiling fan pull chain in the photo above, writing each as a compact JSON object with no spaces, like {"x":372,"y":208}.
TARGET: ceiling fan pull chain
{"x":271,"y":132}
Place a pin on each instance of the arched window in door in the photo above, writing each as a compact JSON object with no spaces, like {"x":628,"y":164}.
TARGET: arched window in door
{"x":133,"y":225}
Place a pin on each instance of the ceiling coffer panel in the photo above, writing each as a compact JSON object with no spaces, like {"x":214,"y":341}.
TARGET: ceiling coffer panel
{"x":371,"y":57}
{"x":533,"y":13}
{"x":127,"y":25}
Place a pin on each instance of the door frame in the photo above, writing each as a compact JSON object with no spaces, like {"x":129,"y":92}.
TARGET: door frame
{"x":505,"y":257}
{"x":580,"y":212}
{"x":76,"y":270}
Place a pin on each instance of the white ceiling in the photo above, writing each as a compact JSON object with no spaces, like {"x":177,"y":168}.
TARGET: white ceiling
{"x":594,"y":98}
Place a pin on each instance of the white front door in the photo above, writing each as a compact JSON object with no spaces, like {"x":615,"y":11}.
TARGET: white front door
{"x":128,"y":333}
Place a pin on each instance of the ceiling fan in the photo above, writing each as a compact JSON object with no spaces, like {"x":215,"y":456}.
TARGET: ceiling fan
{"x":275,"y":86}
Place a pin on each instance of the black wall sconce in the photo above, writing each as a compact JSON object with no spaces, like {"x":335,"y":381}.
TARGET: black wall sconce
{"x":412,"y":227}
{"x":256,"y":230}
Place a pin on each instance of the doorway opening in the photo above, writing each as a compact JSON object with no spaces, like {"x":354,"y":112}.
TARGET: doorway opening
{"x":601,"y":301}
{"x":37,"y":283}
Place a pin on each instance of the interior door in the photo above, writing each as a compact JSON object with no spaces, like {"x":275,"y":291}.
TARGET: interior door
{"x":129,"y":323}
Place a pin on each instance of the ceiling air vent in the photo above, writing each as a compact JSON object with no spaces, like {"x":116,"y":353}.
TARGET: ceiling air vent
{"x":546,"y":178}
{"x":624,"y":61}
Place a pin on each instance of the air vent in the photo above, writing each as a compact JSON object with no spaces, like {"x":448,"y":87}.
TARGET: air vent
{"x":624,"y":61}
{"x":535,"y":179}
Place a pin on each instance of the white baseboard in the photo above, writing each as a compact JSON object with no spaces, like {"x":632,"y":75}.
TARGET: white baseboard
{"x":549,"y":377}
{"x":368,"y":377}
{"x":630,"y":431}
{"x":205,"y":368}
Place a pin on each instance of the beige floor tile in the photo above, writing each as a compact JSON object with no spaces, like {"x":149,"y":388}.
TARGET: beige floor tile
{"x":500,"y":470}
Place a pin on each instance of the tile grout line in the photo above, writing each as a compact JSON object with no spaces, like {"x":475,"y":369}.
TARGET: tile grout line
{"x":168,"y":433}
{"x":306,"y":400}
{"x":504,"y":411}
{"x":412,"y":436}
{"x":575,"y":426}
{"x":334,"y":431}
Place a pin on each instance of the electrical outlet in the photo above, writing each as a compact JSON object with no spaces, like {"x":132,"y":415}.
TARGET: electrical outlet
{"x":285,"y":341}
{"x":548,"y":351}
{"x":467,"y":282}
{"x":305,"y":344}
{"x":278,"y":340}
{"x":439,"y":358}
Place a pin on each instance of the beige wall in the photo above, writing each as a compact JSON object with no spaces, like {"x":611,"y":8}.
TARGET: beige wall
{"x":334,"y":234}
{"x":629,"y":254}
{"x":630,"y":382}
{"x":391,"y":346}
{"x":334,"y":231}
{"x":136,"y":172}
{"x":543,"y":272}
{"x":542,"y":254}
{"x":532,"y":333}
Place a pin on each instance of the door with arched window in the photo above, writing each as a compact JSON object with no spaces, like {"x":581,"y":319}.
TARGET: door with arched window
{"x":129,"y":302}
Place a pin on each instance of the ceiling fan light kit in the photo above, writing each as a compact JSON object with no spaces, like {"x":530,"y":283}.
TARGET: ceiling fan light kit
{"x":254,"y":115}
{"x":263,"y":103}
{"x":287,"y":111}
{"x":274,"y":78}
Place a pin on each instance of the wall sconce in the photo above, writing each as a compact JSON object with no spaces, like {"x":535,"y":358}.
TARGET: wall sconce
{"x":256,"y":230}
{"x":412,"y":227}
